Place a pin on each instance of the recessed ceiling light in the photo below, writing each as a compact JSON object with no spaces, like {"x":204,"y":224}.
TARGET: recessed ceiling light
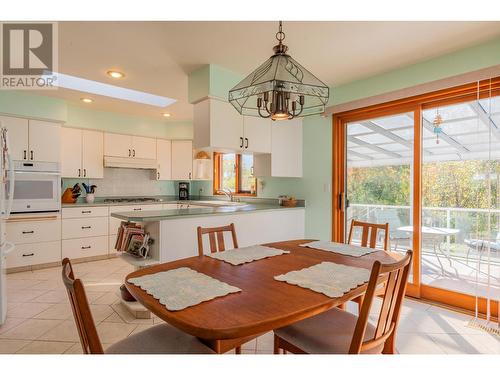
{"x":86,"y":100}
{"x":115,"y":74}
{"x":166,"y":115}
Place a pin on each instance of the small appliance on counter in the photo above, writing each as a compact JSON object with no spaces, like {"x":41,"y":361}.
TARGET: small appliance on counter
{"x":183,"y":191}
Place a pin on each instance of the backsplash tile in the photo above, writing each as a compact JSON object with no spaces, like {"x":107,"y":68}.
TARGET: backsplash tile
{"x":125,"y":182}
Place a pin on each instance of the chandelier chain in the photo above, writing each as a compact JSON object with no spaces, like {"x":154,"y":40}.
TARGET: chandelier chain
{"x":280,"y":35}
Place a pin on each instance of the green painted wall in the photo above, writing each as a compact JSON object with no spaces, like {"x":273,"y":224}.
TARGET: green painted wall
{"x":211,"y":80}
{"x":36,"y":106}
{"x":459,"y":62}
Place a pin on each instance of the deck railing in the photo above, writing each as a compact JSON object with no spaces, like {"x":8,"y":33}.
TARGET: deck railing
{"x":472,"y":223}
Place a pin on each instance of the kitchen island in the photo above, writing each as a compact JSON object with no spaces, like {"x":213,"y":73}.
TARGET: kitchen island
{"x":174,"y":230}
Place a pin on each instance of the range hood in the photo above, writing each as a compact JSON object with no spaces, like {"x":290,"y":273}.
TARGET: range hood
{"x":117,"y":162}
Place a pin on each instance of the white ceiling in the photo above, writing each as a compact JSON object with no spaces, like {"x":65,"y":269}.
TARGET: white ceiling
{"x":158,"y":56}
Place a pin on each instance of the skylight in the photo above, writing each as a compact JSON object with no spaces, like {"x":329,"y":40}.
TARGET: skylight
{"x":112,"y":91}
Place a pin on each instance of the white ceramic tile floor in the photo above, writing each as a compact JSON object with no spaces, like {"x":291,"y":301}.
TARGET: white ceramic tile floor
{"x":39,"y":318}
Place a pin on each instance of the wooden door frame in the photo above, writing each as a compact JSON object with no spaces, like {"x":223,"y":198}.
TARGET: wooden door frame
{"x":415,"y":104}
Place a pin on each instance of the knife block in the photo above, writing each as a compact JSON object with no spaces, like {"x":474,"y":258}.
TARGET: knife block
{"x":68,"y":197}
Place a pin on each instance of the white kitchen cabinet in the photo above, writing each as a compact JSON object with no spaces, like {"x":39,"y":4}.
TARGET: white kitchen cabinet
{"x":81,"y":153}
{"x":164,"y":159}
{"x":18,"y":136}
{"x":285,"y":159}
{"x":32,"y":139}
{"x":44,"y":141}
{"x":71,"y":152}
{"x":34,"y":253}
{"x":182,"y":160}
{"x":257,"y":134}
{"x":92,"y":154}
{"x":219,"y":127}
{"x":128,"y":146}
{"x":118,"y":145}
{"x":143,"y":148}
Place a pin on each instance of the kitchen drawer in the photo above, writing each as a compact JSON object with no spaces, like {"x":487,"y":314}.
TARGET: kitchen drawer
{"x":36,"y":253}
{"x":78,"y":212}
{"x":20,"y":232}
{"x":85,"y":247}
{"x":114,"y":223}
{"x":86,"y":227}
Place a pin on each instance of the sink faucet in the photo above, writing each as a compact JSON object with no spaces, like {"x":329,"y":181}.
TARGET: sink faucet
{"x":228,"y":193}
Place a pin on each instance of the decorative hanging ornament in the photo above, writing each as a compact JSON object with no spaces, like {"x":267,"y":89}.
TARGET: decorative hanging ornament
{"x":438,"y":120}
{"x":280,"y":88}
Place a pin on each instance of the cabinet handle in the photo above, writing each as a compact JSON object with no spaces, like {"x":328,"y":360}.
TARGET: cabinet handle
{"x":86,"y":247}
{"x":87,"y":227}
{"x":31,"y":154}
{"x":86,"y":212}
{"x":137,"y":209}
{"x":246,"y":142}
{"x":133,"y":153}
{"x":28,"y":255}
{"x":129,"y":153}
{"x":158,"y":175}
{"x":28,"y":231}
{"x":241,"y":142}
{"x":84,"y":172}
{"x":189,"y":175}
{"x":25,"y":155}
{"x":79,"y":172}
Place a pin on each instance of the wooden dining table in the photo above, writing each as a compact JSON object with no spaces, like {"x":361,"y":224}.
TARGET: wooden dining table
{"x":263,"y":304}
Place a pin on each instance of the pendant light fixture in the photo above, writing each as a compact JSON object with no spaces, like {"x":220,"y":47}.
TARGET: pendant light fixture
{"x":280,"y":89}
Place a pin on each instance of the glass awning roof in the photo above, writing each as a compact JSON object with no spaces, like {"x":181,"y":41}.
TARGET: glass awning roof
{"x":470,"y":131}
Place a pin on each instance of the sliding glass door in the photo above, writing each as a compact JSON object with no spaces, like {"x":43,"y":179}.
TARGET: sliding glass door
{"x":379,"y":176}
{"x":460,"y":198}
{"x":430,"y":167}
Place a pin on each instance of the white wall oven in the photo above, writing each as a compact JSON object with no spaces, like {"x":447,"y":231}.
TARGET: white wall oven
{"x":37,"y":187}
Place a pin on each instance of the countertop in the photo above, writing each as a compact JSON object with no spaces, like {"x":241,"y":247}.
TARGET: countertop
{"x":100,"y":202}
{"x":159,"y":215}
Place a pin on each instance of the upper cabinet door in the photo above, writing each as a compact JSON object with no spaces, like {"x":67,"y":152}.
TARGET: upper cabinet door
{"x":44,"y":141}
{"x":92,"y":154}
{"x":18,"y":136}
{"x":144,"y":148}
{"x":182,"y":160}
{"x":164,"y":159}
{"x":257,"y":134}
{"x":71,"y":152}
{"x":118,"y":145}
{"x":226,"y":126}
{"x":286,"y":158}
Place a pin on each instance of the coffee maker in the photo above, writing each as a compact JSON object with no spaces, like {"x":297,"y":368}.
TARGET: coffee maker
{"x":183,"y":191}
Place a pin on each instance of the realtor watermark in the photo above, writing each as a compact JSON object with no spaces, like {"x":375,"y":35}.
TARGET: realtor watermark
{"x":28,"y":55}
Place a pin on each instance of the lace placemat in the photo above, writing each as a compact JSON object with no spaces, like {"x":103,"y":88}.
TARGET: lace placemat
{"x":331,"y":279}
{"x":340,"y":248}
{"x":246,"y":254}
{"x":182,"y":287}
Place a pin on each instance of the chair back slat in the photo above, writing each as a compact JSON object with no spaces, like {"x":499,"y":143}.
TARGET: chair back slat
{"x":81,"y":311}
{"x":216,"y":238}
{"x":395,"y":276}
{"x":220,"y":241}
{"x":369,"y":231}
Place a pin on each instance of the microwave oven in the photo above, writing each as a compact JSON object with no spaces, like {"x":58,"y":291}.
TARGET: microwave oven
{"x":37,"y":187}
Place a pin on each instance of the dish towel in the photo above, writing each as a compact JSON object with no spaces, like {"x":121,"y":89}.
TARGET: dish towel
{"x":340,"y":248}
{"x":246,"y":254}
{"x":331,"y":279}
{"x":182,"y":287}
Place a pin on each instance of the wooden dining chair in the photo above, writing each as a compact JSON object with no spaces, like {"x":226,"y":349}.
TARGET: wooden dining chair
{"x":369,"y":231}
{"x":218,"y":245}
{"x":340,"y":332}
{"x":159,"y":339}
{"x":218,"y":232}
